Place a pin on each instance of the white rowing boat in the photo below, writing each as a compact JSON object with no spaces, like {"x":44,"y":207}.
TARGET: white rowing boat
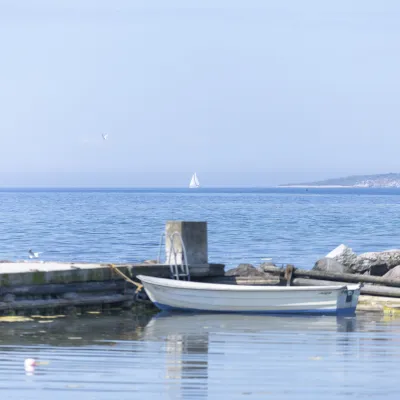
{"x":169,"y":294}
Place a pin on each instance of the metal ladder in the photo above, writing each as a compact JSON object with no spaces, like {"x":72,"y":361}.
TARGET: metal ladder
{"x":178,"y":271}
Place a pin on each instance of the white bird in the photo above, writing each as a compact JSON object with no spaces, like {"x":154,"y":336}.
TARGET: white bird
{"x":33,"y":255}
{"x":105,"y":136}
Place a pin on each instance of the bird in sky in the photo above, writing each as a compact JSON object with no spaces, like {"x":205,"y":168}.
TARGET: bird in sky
{"x":105,"y":136}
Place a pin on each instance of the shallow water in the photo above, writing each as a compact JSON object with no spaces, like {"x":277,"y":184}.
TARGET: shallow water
{"x":203,"y":356}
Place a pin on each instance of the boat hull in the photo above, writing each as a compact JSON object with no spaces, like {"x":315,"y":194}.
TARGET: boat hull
{"x":168,"y":294}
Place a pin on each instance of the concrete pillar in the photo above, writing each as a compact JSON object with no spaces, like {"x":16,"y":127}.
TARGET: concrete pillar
{"x":194,"y":236}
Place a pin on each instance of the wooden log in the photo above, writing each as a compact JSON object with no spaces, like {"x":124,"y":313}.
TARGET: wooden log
{"x":334,"y":276}
{"x":316,"y":282}
{"x":54,"y":303}
{"x":370,"y":290}
{"x":55,"y":289}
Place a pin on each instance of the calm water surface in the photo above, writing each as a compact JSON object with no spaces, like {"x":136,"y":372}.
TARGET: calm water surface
{"x":205,"y":356}
{"x":200,"y":356}
{"x":245,"y":225}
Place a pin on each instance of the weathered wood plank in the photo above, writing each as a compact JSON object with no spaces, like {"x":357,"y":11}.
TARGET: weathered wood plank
{"x":56,"y":289}
{"x":53,"y":303}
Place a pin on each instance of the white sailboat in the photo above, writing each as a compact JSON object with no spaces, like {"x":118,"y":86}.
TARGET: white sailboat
{"x":194,"y":183}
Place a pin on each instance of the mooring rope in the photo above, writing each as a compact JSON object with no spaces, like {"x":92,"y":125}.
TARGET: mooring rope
{"x":115,"y":269}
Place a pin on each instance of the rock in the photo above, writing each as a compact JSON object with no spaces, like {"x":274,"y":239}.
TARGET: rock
{"x":267,"y":274}
{"x":394,"y":273}
{"x":329,"y":265}
{"x":267,"y":264}
{"x":344,"y":255}
{"x":378,"y":263}
{"x":244,"y":270}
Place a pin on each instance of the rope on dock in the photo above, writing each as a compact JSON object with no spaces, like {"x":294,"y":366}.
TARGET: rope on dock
{"x":115,"y":269}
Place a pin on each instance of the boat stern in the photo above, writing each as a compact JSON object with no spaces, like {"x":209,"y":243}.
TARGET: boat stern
{"x":348,"y":299}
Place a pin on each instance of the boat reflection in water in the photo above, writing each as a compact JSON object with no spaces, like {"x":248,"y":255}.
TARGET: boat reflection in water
{"x":199,"y":347}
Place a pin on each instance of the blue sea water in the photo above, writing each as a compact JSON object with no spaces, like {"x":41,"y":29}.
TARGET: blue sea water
{"x":126,"y":355}
{"x":245,"y":225}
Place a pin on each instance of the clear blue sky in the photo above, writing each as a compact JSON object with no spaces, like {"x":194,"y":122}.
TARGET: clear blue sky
{"x":243,"y":92}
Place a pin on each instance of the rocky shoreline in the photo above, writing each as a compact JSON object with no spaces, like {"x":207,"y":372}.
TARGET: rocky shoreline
{"x":342,"y":259}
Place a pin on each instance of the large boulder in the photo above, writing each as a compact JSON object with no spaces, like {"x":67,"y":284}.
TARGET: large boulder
{"x":244,"y":270}
{"x":376,"y":263}
{"x":394,"y":273}
{"x":329,"y":265}
{"x":372,"y":263}
{"x":343,"y":255}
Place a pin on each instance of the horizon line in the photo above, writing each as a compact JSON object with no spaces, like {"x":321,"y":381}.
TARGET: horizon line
{"x":3,"y":188}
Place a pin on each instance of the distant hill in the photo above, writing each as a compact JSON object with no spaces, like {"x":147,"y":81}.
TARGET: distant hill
{"x":390,"y":180}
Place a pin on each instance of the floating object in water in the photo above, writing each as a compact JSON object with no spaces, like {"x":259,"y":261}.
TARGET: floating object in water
{"x":30,"y":364}
{"x":169,"y":294}
{"x":33,"y":254}
{"x":105,"y":136}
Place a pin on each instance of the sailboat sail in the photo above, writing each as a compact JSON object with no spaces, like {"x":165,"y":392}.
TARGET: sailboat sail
{"x":194,"y":183}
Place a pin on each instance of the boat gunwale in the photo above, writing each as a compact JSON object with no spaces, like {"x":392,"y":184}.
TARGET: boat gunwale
{"x":218,"y":287}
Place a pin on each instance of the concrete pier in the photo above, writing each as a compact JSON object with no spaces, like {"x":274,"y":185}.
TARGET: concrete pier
{"x":35,"y":273}
{"x":194,"y":237}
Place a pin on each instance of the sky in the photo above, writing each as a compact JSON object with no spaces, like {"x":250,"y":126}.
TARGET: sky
{"x":245,"y":93}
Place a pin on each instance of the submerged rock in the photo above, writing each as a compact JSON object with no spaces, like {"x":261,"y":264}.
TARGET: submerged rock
{"x":245,"y":270}
{"x":329,"y":265}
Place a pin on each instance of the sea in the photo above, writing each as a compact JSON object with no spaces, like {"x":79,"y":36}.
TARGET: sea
{"x":130,"y":355}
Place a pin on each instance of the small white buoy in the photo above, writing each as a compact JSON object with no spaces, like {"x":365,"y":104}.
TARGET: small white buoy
{"x":30,"y":364}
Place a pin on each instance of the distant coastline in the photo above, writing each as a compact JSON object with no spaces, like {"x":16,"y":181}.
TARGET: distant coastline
{"x":315,"y":186}
{"x":390,"y":180}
